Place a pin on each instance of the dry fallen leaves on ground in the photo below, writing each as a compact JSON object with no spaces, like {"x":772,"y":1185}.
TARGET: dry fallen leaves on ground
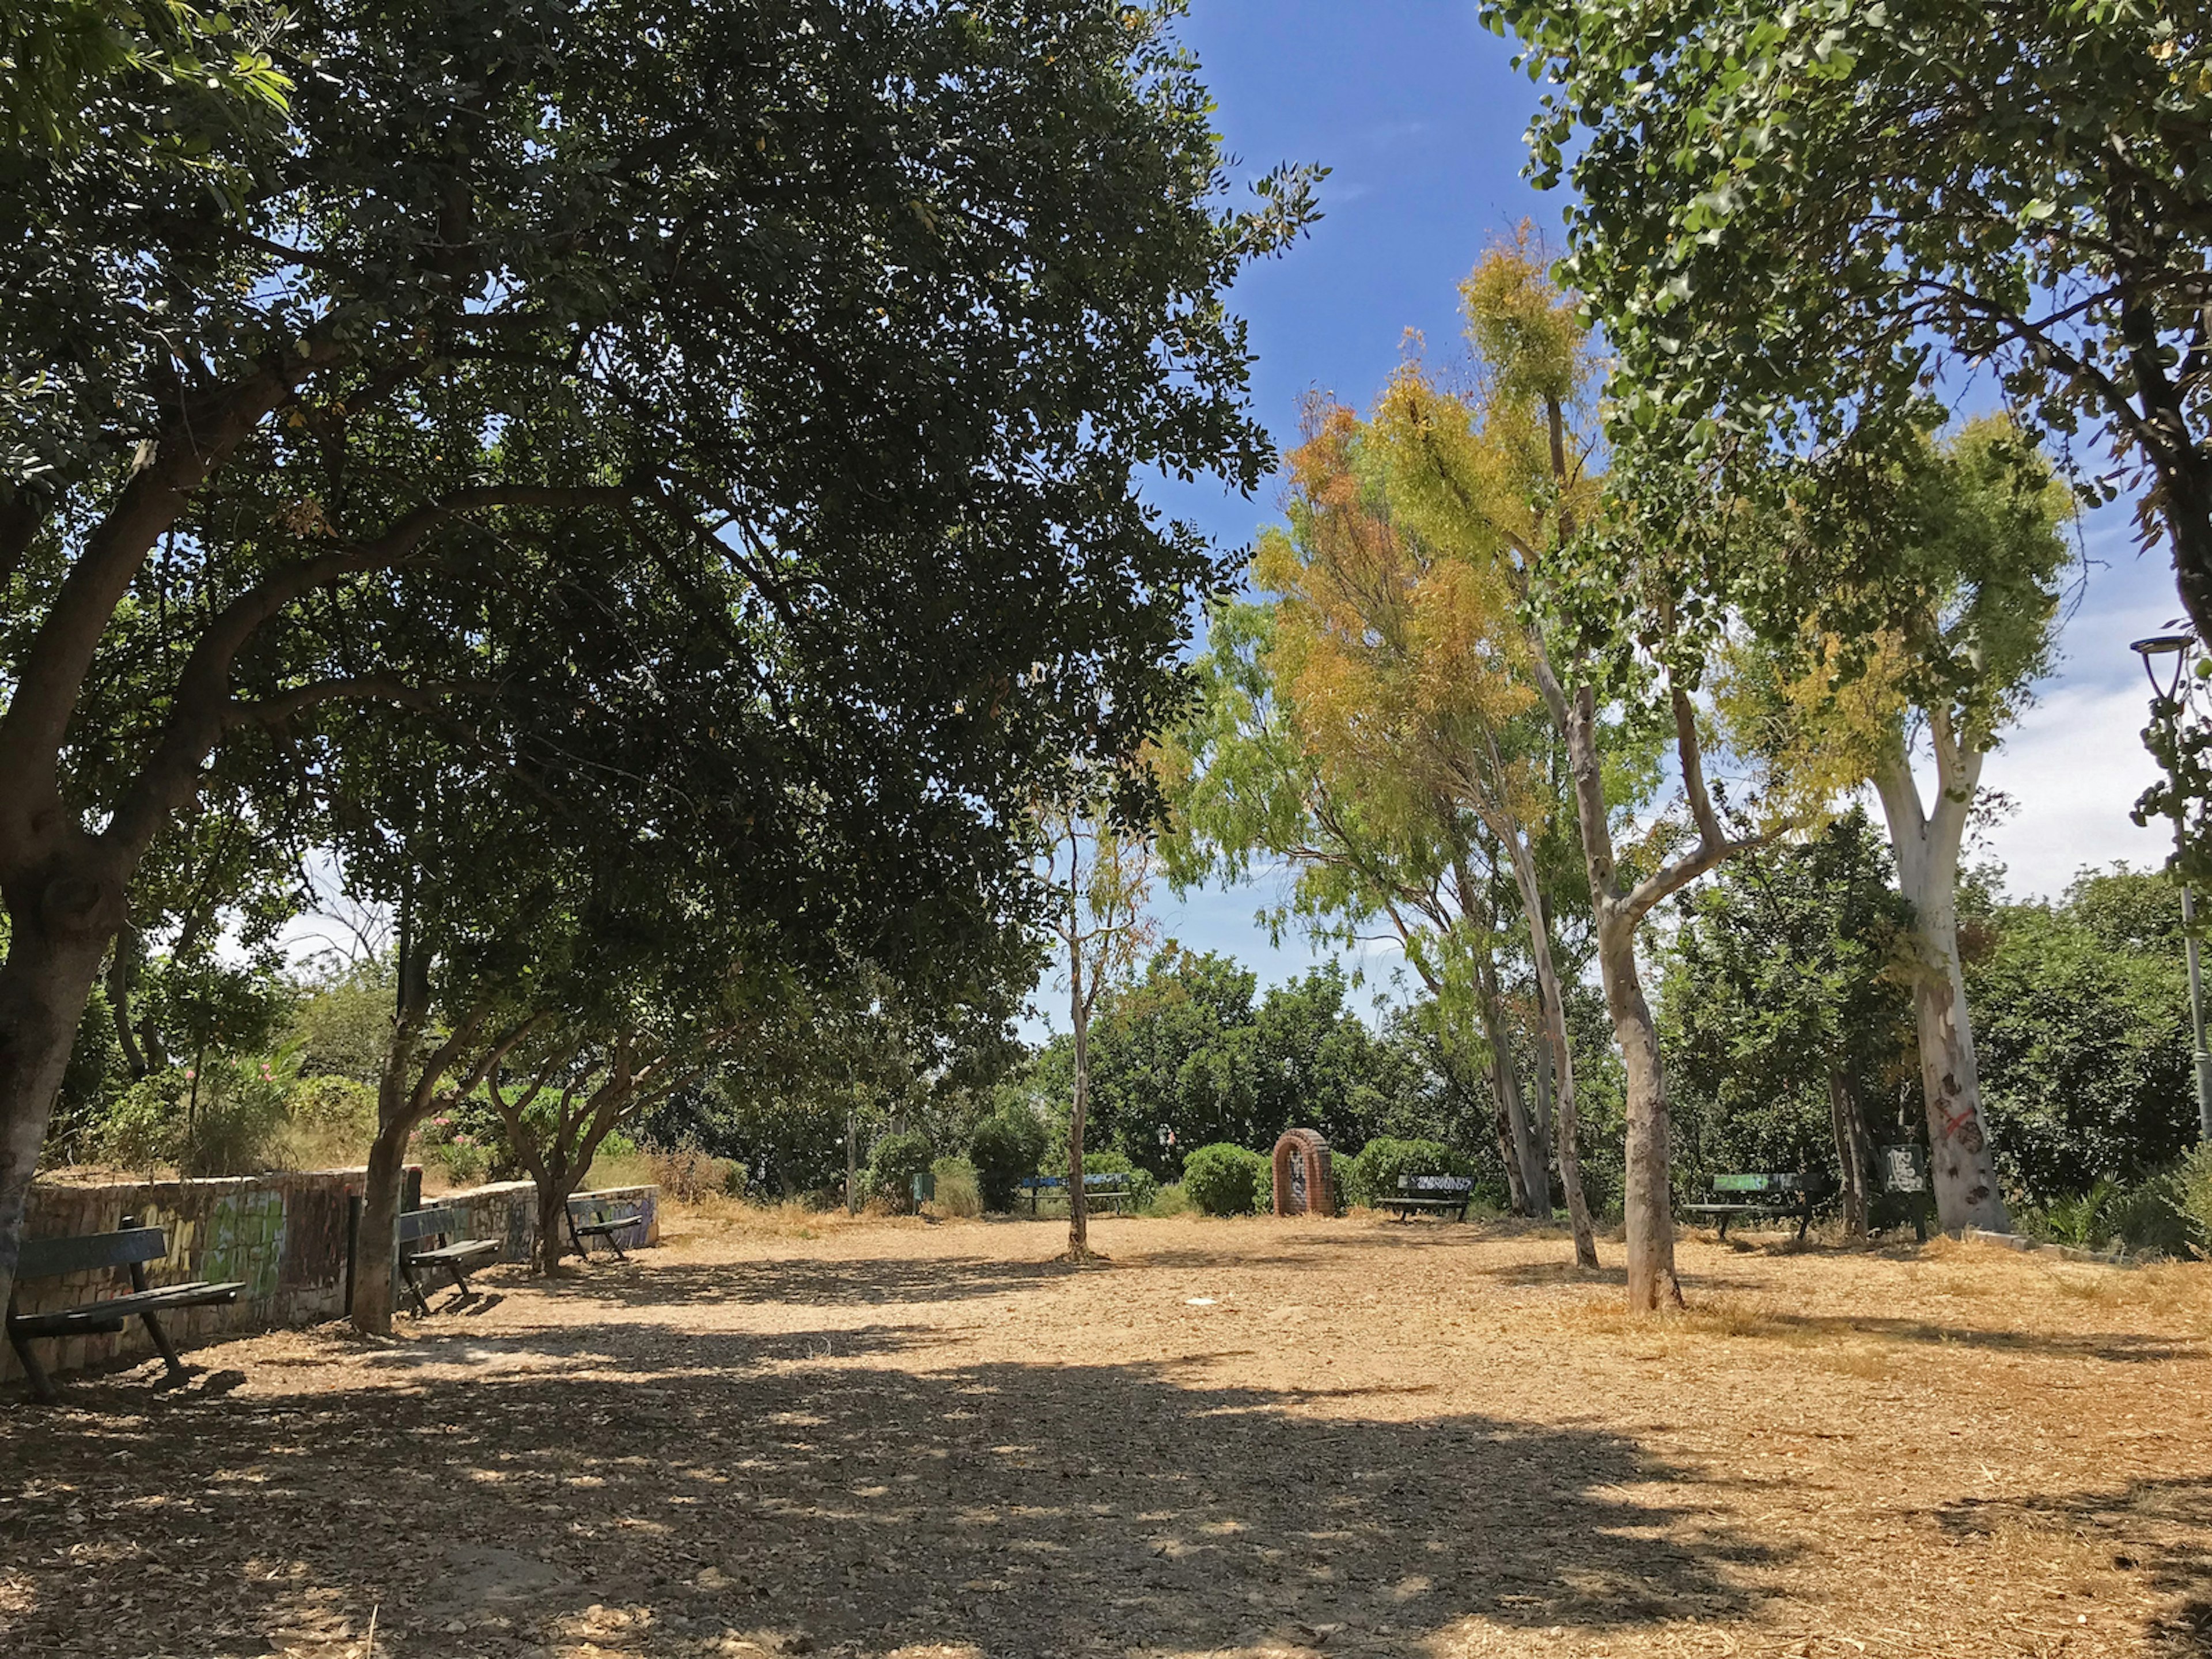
{"x":1254,"y":1437}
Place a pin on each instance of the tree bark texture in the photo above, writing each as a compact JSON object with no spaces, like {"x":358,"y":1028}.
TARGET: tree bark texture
{"x":1079,"y":1213}
{"x":1646,"y":1202}
{"x":1852,"y":1153}
{"x":52,"y":961}
{"x":1553,"y":1046}
{"x":1962,"y":1164}
{"x":1531,"y":1188}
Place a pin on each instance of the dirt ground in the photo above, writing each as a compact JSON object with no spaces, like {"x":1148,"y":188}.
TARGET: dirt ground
{"x":1247,"y":1438}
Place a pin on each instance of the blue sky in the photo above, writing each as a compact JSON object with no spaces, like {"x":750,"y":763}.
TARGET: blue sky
{"x":1417,"y":111}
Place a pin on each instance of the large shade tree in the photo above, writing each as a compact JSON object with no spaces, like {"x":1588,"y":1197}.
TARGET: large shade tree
{"x":1786,"y":220}
{"x":763,"y":296}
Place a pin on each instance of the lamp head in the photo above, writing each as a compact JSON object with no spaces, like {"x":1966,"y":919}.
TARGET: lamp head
{"x":2159,"y":646}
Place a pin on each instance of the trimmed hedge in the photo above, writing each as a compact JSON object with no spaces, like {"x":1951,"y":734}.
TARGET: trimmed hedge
{"x":1373,"y":1175}
{"x":1223,"y":1179}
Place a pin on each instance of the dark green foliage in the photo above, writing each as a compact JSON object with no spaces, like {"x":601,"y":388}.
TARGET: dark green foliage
{"x":1223,"y":1179}
{"x":1144,"y":1185}
{"x":1005,"y":1147}
{"x":96,"y":1079}
{"x":2081,"y":1031}
{"x":895,"y":1161}
{"x":1187,"y":1051}
{"x":1373,"y":1175}
{"x":1781,"y":976}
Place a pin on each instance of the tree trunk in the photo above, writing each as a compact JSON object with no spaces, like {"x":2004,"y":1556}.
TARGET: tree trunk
{"x":45,"y":983}
{"x":1525,"y":1160}
{"x":1502,"y":1083}
{"x":380,"y":1228}
{"x":1645,"y":1202}
{"x":554,"y":1190}
{"x":122,"y":985}
{"x":1852,"y":1152}
{"x":1566,"y":1127}
{"x":1078,"y":1212}
{"x":1553,"y":1046}
{"x":1962,"y":1165}
{"x":1539,"y":1170}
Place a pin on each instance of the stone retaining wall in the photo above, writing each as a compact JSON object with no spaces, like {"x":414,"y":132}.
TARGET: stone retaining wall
{"x":284,"y":1236}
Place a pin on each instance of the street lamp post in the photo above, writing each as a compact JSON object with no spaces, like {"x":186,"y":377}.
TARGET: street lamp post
{"x":2158,"y":649}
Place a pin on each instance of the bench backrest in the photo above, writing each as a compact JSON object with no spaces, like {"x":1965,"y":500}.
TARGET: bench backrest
{"x":1052,"y":1184}
{"x":1782,"y":1181}
{"x":49,"y":1258}
{"x":1435,"y":1185}
{"x":418,"y":1224}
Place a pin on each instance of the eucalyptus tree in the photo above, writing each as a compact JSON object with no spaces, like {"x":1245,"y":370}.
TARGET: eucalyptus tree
{"x":1375,"y":734}
{"x":1245,"y":790}
{"x":1927,"y":622}
{"x":1628,"y":569}
{"x":852,"y":323}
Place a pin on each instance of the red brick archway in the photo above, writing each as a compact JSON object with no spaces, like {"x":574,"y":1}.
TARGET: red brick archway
{"x":1304,"y":1152}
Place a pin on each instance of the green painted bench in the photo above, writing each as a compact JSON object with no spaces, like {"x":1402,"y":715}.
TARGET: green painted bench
{"x":130,"y":1250}
{"x":1778,"y":1194}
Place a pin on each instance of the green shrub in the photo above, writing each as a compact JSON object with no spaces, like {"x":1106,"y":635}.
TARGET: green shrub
{"x":2147,"y":1218}
{"x":1172,"y":1200}
{"x":1223,"y":1179}
{"x":958,"y":1192}
{"x":1144,"y":1185}
{"x":2192,"y":1188}
{"x":2151,"y":1217}
{"x":897,"y":1160}
{"x":449,"y":1142}
{"x":224,"y":1117}
{"x":1004,"y":1148}
{"x":1373,"y":1175}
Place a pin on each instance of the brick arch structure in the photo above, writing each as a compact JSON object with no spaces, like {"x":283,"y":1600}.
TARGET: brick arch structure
{"x":1303,"y":1150}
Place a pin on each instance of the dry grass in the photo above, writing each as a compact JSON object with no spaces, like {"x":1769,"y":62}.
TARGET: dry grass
{"x":789,"y":1432}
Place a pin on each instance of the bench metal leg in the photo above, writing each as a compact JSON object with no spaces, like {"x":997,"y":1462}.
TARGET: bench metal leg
{"x":42,"y":1386}
{"x":615,"y":1244}
{"x":166,"y":1348}
{"x":162,"y":1343}
{"x":407,"y":1277}
{"x":1725,"y":1222}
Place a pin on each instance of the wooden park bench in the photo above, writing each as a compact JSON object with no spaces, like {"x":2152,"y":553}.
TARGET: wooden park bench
{"x":1777,"y":1194}
{"x":592,"y":1217}
{"x":456,"y":1256}
{"x":131,"y":1249}
{"x":1430,"y":1194}
{"x":1111,"y":1189}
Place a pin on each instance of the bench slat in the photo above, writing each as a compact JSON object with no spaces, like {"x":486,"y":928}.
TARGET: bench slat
{"x":51,"y":1258}
{"x":466,"y":1249}
{"x":110,"y":1315}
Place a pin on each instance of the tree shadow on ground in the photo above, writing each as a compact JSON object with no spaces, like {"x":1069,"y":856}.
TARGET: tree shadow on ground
{"x":2157,"y":1528}
{"x":664,"y":1492}
{"x":2114,"y":1347}
{"x":856,"y":1281}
